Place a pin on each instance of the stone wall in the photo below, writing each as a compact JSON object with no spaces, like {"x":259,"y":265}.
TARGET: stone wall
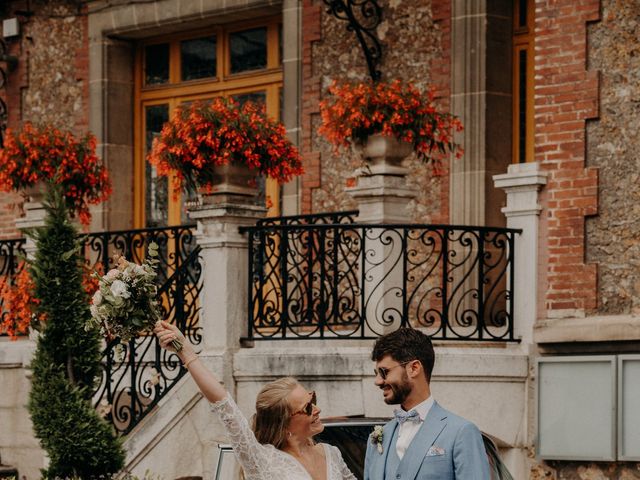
{"x":331,"y":53}
{"x":18,"y":445}
{"x":612,"y":146}
{"x":586,"y":471}
{"x":50,"y":83}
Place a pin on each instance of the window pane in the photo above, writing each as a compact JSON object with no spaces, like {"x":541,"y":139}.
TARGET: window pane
{"x":522,"y":107}
{"x":198,"y":58}
{"x":255,"y":97}
{"x":248,"y":50}
{"x":156,"y":64}
{"x":156,"y":189}
{"x":522,"y":13}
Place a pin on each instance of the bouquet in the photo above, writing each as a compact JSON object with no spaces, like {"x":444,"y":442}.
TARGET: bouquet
{"x":124,"y":306}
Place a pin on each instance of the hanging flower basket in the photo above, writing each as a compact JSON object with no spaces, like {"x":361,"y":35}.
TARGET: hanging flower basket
{"x":35,"y":158}
{"x":356,"y":112}
{"x":219,"y":146}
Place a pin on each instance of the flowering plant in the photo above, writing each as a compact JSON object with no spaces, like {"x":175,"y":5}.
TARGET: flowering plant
{"x":19,"y":304}
{"x":47,"y":154}
{"x":204,"y":134}
{"x":376,"y":437}
{"x":124,"y":306}
{"x":396,"y":109}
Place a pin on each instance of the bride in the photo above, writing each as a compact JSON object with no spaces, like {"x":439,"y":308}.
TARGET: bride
{"x":280,"y":446}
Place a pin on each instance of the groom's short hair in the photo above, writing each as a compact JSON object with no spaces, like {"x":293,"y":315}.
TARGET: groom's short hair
{"x":404,"y":345}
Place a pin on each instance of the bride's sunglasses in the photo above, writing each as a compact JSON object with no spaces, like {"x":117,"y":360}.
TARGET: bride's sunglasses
{"x":308,"y":408}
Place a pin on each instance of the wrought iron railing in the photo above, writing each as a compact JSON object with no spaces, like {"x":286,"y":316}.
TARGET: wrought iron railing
{"x":10,"y":266}
{"x":137,"y":375}
{"x":310,"y":280}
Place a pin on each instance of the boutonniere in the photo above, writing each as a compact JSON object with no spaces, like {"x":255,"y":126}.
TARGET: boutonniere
{"x":376,"y":437}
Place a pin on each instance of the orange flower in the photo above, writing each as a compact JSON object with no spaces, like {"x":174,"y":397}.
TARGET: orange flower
{"x":217,"y":132}
{"x":356,"y":111}
{"x":19,"y":304}
{"x":46,"y":154}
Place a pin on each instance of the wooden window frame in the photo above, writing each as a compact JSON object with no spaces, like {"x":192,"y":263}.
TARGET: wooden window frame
{"x":224,"y":84}
{"x":523,"y":40}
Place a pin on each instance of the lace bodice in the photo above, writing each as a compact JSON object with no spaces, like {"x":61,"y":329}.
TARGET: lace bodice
{"x":265,"y":462}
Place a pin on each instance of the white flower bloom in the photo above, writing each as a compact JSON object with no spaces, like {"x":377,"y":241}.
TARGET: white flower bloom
{"x":113,"y":274}
{"x":97,"y":298}
{"x":119,"y":289}
{"x":376,"y":437}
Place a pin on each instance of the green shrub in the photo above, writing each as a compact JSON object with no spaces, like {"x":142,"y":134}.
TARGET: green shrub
{"x":78,"y":441}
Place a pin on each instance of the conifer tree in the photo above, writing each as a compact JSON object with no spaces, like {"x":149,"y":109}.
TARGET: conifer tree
{"x":65,"y":367}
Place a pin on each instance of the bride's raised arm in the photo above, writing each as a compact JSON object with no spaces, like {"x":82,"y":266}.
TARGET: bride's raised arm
{"x":208,"y":384}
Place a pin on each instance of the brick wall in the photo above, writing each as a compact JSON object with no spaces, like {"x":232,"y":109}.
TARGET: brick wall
{"x":311,"y":15}
{"x":566,"y":95}
{"x":50,"y":83}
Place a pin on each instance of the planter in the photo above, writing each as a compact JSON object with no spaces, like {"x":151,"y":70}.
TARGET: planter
{"x":232,"y":183}
{"x":385,"y":154}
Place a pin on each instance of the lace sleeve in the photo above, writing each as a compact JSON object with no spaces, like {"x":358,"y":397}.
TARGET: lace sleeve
{"x":252,"y":456}
{"x":341,"y":471}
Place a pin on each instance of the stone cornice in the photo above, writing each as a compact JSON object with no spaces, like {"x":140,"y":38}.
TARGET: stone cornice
{"x":609,"y":328}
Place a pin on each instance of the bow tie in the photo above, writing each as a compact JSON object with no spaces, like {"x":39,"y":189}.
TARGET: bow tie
{"x":402,"y":416}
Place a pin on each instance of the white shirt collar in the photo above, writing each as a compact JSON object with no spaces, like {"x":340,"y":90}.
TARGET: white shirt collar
{"x":423,"y":407}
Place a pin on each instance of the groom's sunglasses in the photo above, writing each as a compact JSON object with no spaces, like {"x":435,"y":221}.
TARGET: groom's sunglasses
{"x":383,"y":372}
{"x":308,"y":408}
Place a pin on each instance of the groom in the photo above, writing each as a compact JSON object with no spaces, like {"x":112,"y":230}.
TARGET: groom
{"x":423,"y":441}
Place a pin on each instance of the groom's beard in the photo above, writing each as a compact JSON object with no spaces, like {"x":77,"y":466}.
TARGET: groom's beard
{"x":399,"y":391}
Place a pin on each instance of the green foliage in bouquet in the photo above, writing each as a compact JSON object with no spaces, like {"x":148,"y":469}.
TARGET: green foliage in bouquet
{"x":125,"y":304}
{"x":66,"y":363}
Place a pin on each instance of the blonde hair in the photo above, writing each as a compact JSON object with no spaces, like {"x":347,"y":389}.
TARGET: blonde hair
{"x":273,"y":412}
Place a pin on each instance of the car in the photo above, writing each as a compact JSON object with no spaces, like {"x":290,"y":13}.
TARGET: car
{"x":350,"y":435}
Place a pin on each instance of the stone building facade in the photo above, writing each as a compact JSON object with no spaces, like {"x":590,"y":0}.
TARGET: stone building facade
{"x":76,"y":68}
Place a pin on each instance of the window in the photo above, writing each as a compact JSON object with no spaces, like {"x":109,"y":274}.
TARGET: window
{"x":523,"y":41}
{"x":239,"y":61}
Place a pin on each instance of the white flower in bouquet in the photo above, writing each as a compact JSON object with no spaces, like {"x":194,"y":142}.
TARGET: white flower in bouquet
{"x":125,"y":306}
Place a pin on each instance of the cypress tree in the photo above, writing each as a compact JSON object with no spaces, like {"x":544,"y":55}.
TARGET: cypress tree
{"x":66,"y":364}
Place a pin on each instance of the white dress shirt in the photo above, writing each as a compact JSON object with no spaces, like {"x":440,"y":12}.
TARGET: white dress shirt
{"x":409,"y":429}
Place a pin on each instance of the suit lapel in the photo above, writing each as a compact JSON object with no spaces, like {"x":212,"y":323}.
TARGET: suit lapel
{"x":431,"y":428}
{"x":381,"y":458}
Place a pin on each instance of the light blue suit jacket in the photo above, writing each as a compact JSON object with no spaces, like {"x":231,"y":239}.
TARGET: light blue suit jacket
{"x":446,"y":447}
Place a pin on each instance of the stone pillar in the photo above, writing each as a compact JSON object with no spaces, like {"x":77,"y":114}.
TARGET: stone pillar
{"x":381,"y":189}
{"x":522,"y":184}
{"x":383,"y":196}
{"x":481,"y":97}
{"x":224,"y":275}
{"x":34,"y":215}
{"x":292,"y":92}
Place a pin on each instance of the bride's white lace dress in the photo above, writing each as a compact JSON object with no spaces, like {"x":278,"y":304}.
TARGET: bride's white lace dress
{"x":265,"y":462}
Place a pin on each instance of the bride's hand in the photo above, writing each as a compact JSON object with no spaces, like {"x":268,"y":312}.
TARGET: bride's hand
{"x":168,"y":335}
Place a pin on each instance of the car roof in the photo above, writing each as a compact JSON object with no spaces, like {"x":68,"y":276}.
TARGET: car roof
{"x":353,"y":421}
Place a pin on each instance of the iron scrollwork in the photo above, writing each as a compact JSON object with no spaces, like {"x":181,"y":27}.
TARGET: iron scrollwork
{"x":313,"y":279}
{"x":135,"y":380}
{"x":363,"y":17}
